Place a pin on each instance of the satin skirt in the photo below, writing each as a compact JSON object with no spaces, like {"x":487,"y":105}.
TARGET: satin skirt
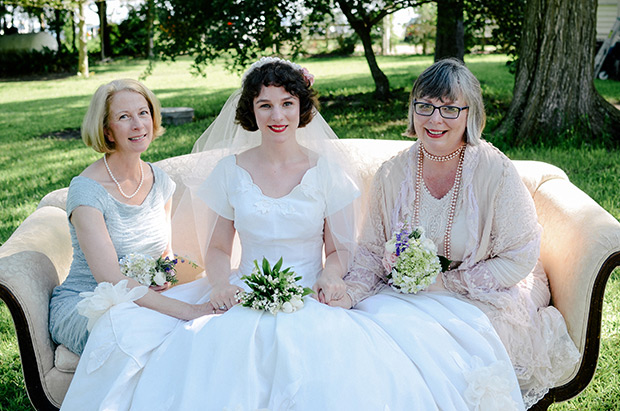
{"x":429,"y":351}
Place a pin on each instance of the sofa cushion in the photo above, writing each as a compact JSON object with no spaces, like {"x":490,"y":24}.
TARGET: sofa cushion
{"x":65,"y":360}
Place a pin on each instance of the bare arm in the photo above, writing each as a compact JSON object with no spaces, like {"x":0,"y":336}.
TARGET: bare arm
{"x":95,"y":241}
{"x":217,"y":264}
{"x":329,"y":286}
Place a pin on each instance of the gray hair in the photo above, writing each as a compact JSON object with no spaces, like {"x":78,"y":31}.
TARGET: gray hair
{"x":450,"y":79}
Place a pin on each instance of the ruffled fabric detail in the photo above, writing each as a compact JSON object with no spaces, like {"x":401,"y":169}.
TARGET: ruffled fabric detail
{"x":96,"y":303}
{"x":489,"y":387}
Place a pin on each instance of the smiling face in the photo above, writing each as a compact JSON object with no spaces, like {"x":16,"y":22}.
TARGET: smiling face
{"x":277,"y":113}
{"x":439,"y":135}
{"x":130,"y":124}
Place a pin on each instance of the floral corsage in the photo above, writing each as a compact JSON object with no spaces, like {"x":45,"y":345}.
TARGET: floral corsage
{"x":148,"y":271}
{"x":411,"y":261}
{"x":273,"y":290}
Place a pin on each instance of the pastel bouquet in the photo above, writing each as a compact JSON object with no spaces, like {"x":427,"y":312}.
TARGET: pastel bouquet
{"x":147,"y":270}
{"x":411,"y":261}
{"x":273,"y":289}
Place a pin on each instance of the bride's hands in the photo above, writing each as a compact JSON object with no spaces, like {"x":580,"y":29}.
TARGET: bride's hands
{"x":225,"y":296}
{"x":345,"y":302}
{"x":329,"y":288}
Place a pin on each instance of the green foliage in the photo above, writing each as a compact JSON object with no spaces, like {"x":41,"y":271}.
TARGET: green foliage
{"x":130,"y":37}
{"x":423,"y":28}
{"x":239,"y":30}
{"x":21,"y":63}
{"x":505,"y":17}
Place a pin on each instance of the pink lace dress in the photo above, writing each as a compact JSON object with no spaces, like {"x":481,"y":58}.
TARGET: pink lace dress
{"x":496,"y":237}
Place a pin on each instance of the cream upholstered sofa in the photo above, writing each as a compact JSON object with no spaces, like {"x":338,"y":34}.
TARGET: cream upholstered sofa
{"x":580,"y":248}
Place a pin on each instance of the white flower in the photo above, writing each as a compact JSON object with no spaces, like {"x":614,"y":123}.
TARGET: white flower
{"x":287,"y":307}
{"x":390,"y":245}
{"x":428,"y":244}
{"x":159,"y":278}
{"x":297,"y":302}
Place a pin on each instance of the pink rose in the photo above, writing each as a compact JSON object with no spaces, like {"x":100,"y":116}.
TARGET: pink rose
{"x":389,"y":259}
{"x":309,"y":77}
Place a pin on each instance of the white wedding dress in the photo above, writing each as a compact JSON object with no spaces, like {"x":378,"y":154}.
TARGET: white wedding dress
{"x":317,"y":358}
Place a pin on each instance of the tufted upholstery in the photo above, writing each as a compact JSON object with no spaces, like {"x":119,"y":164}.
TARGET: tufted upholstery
{"x":580,"y":248}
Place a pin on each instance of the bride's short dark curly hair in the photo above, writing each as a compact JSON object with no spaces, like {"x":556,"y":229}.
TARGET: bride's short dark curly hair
{"x":278,"y":74}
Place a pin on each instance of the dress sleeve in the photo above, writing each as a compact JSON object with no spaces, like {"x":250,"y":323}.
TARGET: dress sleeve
{"x":214,"y":190}
{"x":167,"y":185}
{"x":366,"y":276}
{"x":340,"y":190}
{"x":85,"y":192}
{"x":515,"y":242}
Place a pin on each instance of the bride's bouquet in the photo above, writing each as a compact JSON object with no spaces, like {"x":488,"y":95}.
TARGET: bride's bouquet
{"x":148,"y":271}
{"x":411,"y":261}
{"x":273,"y":290}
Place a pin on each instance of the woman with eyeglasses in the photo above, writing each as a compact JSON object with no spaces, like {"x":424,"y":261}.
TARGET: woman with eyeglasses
{"x":486,"y":318}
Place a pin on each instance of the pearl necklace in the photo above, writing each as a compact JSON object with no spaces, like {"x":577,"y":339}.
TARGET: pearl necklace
{"x":119,"y":185}
{"x":457,"y":184}
{"x":442,"y":159}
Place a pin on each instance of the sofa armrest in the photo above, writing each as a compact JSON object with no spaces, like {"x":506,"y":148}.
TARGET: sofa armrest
{"x":580,"y":248}
{"x":33,"y":261}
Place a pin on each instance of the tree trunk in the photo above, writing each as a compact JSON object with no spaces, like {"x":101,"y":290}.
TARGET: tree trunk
{"x":74,"y":37}
{"x":450,"y":40}
{"x":386,"y":48}
{"x":82,"y":49}
{"x":104,"y":32}
{"x":150,"y":11}
{"x":554,"y":85}
{"x":382,"y":84}
{"x":58,"y":15}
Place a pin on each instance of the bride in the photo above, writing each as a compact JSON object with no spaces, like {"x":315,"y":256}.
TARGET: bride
{"x":280,"y":184}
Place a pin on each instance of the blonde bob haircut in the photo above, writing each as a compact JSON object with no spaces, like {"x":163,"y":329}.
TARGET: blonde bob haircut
{"x":449,"y":80}
{"x":96,"y":119}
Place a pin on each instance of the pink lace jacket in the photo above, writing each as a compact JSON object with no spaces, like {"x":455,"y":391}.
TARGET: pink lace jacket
{"x":504,"y":234}
{"x":499,"y":271}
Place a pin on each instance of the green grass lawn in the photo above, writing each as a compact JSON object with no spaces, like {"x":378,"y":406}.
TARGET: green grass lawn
{"x":38,"y":154}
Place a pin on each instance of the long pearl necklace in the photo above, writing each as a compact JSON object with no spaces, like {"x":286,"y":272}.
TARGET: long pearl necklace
{"x":457,"y":184}
{"x":119,"y":185}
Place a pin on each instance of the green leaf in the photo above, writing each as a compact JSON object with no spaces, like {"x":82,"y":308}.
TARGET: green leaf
{"x":445,"y":263}
{"x":266,"y":267}
{"x":276,"y":267}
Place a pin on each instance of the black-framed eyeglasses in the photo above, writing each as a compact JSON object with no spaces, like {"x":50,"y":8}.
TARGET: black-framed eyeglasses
{"x":427,"y":109}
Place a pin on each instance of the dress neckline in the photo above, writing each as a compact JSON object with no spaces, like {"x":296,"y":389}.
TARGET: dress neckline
{"x":120,"y":202}
{"x":260,"y":190}
{"x":427,"y":191}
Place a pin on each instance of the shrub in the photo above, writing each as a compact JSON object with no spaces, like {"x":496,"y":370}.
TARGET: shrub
{"x":15,"y":63}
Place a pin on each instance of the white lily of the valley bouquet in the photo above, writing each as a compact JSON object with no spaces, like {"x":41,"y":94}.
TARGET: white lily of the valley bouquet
{"x":411,"y":261}
{"x":273,"y":290}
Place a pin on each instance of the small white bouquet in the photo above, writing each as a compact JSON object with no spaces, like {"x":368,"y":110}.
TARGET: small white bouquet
{"x":148,"y":271}
{"x":411,"y":261}
{"x":273,"y":290}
